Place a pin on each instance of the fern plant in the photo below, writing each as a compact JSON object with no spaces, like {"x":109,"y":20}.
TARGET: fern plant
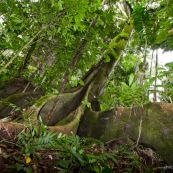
{"x":36,"y":139}
{"x":73,"y":154}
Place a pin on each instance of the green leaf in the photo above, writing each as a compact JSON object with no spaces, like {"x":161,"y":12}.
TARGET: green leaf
{"x":76,"y":155}
{"x":147,"y":84}
{"x":16,"y":158}
{"x":134,"y":85}
{"x":92,"y":160}
{"x":107,"y":169}
{"x":28,"y":170}
{"x":60,"y":5}
{"x":59,"y":135}
{"x":131,"y":78}
{"x":107,"y":58}
{"x":52,"y":3}
{"x":110,"y":156}
{"x":124,"y":85}
{"x":81,"y":151}
{"x":97,"y":169}
{"x":19,"y":167}
{"x":81,"y":82}
{"x":64,"y":163}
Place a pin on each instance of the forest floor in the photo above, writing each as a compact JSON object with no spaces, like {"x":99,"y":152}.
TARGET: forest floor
{"x":112,"y":157}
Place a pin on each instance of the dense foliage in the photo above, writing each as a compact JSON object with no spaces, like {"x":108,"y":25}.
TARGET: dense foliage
{"x":41,"y":150}
{"x":55,"y":45}
{"x":40,"y":38}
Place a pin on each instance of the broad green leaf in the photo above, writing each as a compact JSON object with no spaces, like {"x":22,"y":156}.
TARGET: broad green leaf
{"x":28,"y":170}
{"x":81,"y":151}
{"x":111,"y":157}
{"x":16,"y":158}
{"x":107,"y":58}
{"x":131,"y":78}
{"x":107,"y":169}
{"x":97,"y":169}
{"x":64,"y":163}
{"x":59,"y":135}
{"x":19,"y":166}
{"x":81,"y":82}
{"x":60,"y":3}
{"x":134,"y":85}
{"x":76,"y":155}
{"x":17,"y":20}
{"x":124,"y":85}
{"x":147,"y":84}
{"x":92,"y":160}
{"x":52,"y":3}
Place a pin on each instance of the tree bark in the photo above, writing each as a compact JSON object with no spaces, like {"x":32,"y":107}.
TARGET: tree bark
{"x":27,"y":58}
{"x":156,"y":74}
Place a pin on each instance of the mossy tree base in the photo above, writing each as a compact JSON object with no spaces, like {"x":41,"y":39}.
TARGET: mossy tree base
{"x":150,"y":125}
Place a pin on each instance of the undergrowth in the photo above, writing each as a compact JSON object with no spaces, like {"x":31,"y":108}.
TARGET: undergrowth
{"x":71,"y":154}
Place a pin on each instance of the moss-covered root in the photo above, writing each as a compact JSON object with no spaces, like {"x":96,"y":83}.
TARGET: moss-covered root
{"x":15,"y":103}
{"x":31,"y":115}
{"x":72,"y":126}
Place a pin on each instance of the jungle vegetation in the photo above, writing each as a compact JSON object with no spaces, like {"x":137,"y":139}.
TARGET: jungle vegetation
{"x":89,"y":68}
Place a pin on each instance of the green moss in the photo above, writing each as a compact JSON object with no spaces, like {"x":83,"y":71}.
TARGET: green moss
{"x":11,"y":99}
{"x":92,"y":117}
{"x":43,"y":99}
{"x":115,"y":131}
{"x":66,"y":120}
{"x":129,"y":27}
{"x":124,"y":35}
{"x":14,"y":97}
{"x":31,"y":115}
{"x":124,"y":119}
{"x":72,"y":127}
{"x":119,"y":42}
{"x":3,"y":104}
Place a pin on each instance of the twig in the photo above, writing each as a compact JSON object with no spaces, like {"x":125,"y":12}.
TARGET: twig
{"x":140,"y":130}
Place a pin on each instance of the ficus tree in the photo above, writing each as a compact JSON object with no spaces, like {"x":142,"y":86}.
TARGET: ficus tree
{"x":71,"y":64}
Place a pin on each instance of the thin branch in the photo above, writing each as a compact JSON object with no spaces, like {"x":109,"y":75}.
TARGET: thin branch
{"x":122,"y":10}
{"x":140,"y":130}
{"x":156,"y":74}
{"x":28,"y":56}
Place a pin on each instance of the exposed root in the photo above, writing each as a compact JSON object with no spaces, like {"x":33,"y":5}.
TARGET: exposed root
{"x":10,"y":131}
